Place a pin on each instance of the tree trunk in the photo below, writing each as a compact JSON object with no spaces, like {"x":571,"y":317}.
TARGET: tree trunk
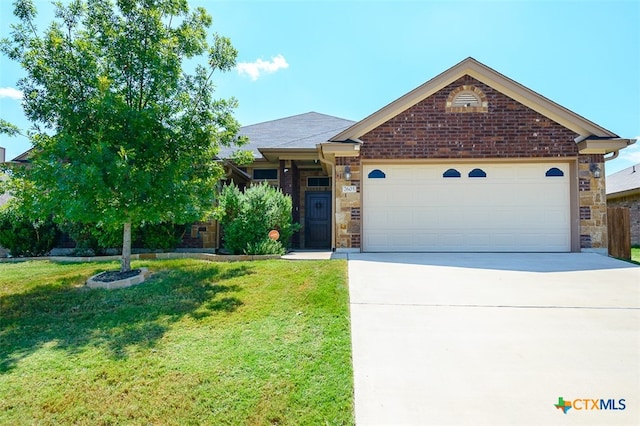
{"x":126,"y":248}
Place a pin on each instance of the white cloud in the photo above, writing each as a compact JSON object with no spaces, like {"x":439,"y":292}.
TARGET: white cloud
{"x":632,"y":153}
{"x":257,"y":68}
{"x":10,"y":92}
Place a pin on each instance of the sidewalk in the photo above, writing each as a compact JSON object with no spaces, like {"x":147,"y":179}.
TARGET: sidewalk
{"x":313,"y":255}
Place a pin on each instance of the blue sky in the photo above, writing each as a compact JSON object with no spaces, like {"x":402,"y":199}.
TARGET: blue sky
{"x":351,"y":58}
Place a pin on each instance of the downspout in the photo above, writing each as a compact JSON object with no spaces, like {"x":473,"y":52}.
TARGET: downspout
{"x":330,"y":165}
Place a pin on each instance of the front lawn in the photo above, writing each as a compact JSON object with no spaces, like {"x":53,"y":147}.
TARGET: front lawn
{"x":635,"y":254}
{"x":263,"y":342}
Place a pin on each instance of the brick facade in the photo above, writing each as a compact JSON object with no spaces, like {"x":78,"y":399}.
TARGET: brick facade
{"x":501,"y":128}
{"x":508,"y":130}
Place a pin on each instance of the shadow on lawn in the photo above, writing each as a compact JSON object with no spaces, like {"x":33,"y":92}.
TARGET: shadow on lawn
{"x":74,"y":319}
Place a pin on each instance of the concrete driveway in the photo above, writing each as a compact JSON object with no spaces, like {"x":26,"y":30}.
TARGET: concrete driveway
{"x":495,"y":338}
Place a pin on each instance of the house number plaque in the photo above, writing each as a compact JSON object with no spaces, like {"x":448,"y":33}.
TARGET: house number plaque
{"x":349,"y":188}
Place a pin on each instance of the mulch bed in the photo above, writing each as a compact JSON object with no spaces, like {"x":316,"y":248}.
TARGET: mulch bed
{"x":111,"y":276}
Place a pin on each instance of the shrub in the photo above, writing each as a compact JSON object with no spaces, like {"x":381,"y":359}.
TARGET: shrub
{"x":267,"y":246}
{"x":161,"y":236}
{"x":92,"y":239}
{"x":95,"y":239}
{"x":246,"y":219}
{"x":24,"y":236}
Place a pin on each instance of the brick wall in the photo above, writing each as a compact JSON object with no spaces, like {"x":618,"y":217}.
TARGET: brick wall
{"x":508,"y":129}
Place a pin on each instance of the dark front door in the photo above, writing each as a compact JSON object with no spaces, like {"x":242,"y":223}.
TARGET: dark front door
{"x":317,"y":220}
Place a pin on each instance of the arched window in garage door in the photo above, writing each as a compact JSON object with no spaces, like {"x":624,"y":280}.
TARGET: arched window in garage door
{"x":477,"y":173}
{"x":451,"y":173}
{"x":554,"y":172}
{"x":376,"y":174}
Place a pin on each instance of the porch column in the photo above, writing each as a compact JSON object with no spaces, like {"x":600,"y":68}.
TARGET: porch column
{"x":290,"y":185}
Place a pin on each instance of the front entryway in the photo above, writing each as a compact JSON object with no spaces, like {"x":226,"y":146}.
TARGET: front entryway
{"x":317,"y":220}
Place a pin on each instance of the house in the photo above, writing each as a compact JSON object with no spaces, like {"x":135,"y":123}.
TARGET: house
{"x":469,"y":161}
{"x":623,"y":190}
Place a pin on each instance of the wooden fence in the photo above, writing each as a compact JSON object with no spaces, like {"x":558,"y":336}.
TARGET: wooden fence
{"x":619,"y":232}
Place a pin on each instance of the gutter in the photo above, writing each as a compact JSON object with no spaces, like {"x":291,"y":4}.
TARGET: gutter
{"x":602,"y":145}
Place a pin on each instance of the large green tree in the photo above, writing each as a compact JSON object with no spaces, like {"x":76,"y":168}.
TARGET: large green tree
{"x":122,"y":134}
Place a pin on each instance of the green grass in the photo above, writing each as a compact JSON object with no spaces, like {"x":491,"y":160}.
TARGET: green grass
{"x":635,"y":254}
{"x":261,"y":343}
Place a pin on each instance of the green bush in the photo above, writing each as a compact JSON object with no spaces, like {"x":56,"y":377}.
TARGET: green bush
{"x":161,"y":236}
{"x":267,"y":246}
{"x":246,"y":219}
{"x":92,"y":239}
{"x":24,"y":236}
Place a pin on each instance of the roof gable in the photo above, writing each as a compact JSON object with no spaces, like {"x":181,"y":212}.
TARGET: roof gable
{"x":490,"y":77}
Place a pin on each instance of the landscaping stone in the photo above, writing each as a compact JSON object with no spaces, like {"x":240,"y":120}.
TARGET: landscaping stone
{"x":103,"y":280}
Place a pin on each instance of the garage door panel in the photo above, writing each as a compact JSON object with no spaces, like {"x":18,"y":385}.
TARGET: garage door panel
{"x":515,"y":208}
{"x":377,"y":221}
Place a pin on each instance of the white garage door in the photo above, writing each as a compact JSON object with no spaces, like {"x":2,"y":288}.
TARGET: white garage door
{"x":466,"y":207}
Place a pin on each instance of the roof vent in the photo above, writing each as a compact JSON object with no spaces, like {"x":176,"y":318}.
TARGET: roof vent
{"x":466,"y":99}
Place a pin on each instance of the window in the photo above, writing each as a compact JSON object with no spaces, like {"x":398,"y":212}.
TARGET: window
{"x":376,"y":174}
{"x":451,"y":173}
{"x":554,"y":172}
{"x":265,"y":174}
{"x":317,"y":181}
{"x":477,"y":173}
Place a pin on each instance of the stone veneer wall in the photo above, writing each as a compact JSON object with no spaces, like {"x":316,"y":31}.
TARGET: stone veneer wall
{"x":593,"y":203}
{"x":202,"y":235}
{"x":505,"y":129}
{"x":632,"y":202}
{"x":348,"y":206}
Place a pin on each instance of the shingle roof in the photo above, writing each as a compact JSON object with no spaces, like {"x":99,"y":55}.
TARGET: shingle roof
{"x":624,"y":180}
{"x":298,"y":131}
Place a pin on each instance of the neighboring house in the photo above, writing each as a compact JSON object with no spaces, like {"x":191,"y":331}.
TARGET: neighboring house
{"x":469,"y":161}
{"x":623,"y":190}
